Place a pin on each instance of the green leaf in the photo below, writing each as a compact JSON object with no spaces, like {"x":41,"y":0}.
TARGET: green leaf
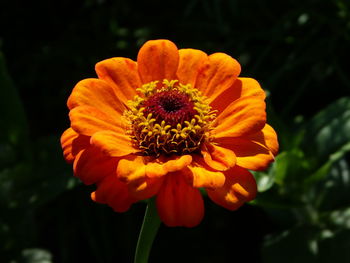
{"x":319,"y":174}
{"x":323,"y":171}
{"x":340,"y":218}
{"x":290,"y":167}
{"x":36,"y":255}
{"x":340,"y":153}
{"x":334,"y":190}
{"x":329,"y":130}
{"x":264,"y":181}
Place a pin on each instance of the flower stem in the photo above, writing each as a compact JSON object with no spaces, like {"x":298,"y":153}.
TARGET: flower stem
{"x":148,"y":232}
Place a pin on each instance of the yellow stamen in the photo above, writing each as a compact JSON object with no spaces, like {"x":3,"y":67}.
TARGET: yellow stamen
{"x":154,"y":137}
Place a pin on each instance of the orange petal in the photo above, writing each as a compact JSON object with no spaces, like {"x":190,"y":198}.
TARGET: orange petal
{"x":192,"y":63}
{"x":239,"y":187}
{"x":242,"y":87}
{"x":98,"y":94}
{"x":122,"y":75}
{"x":175,"y":163}
{"x":72,"y":143}
{"x":112,"y":143}
{"x":131,"y":169}
{"x":87,"y":120}
{"x":114,"y":193}
{"x":158,"y":60}
{"x":218,"y":75}
{"x":217,"y":157}
{"x":249,"y":154}
{"x":256,"y":151}
{"x":178,"y":203}
{"x":145,"y":188}
{"x":202,"y":176}
{"x":91,"y":166}
{"x":242,"y":117}
{"x":266,"y":137}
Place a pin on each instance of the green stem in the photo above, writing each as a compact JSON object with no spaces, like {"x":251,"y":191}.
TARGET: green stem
{"x":150,"y":225}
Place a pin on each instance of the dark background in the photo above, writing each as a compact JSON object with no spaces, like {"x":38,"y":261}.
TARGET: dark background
{"x":297,"y":50}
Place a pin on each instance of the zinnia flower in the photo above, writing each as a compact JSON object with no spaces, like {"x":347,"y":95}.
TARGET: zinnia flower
{"x":167,"y":125}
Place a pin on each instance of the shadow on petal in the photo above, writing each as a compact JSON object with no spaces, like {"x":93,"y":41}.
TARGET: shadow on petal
{"x":178,"y":203}
{"x":239,"y":187}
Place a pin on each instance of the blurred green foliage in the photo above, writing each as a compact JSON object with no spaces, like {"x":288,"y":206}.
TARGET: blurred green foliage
{"x":297,"y":51}
{"x":307,"y":190}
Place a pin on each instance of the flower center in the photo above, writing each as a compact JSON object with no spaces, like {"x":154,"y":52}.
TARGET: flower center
{"x":171,"y":106}
{"x":171,"y":119}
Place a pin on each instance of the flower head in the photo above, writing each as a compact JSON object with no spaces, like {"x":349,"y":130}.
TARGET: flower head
{"x":166,"y":125}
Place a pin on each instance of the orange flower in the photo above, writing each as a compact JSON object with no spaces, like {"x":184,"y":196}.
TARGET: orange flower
{"x":165,"y":126}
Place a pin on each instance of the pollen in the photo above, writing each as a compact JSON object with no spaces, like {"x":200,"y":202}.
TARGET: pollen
{"x":171,"y":118}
